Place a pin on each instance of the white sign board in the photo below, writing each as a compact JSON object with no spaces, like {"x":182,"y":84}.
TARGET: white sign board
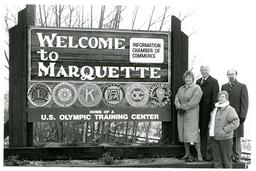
{"x":146,"y":50}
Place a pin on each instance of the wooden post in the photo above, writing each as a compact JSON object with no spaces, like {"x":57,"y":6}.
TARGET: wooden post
{"x":20,"y":131}
{"x":179,"y":64}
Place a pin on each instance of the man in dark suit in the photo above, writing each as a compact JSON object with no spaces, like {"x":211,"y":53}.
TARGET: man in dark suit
{"x":210,"y":88}
{"x":238,"y":98}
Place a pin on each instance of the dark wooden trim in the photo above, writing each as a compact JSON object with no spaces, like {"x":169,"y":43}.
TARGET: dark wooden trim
{"x":176,"y":71}
{"x":20,"y":132}
{"x":74,"y":152}
{"x":179,"y":64}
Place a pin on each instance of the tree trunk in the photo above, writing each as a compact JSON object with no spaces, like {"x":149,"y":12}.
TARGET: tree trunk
{"x":134,"y":132}
{"x":117,"y":18}
{"x":85,"y":133}
{"x":149,"y":24}
{"x":46,"y":14}
{"x":126,"y":132}
{"x":98,"y":128}
{"x":92,"y":131}
{"x":147,"y":131}
{"x":101,"y":16}
{"x":134,"y":16}
{"x":91,"y":17}
{"x":115,"y":129}
{"x":41,"y":16}
{"x":60,"y":131}
{"x":162,"y":22}
{"x":107,"y":132}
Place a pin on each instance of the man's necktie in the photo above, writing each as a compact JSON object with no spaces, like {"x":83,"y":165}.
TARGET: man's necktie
{"x":202,"y":81}
{"x":230,"y":87}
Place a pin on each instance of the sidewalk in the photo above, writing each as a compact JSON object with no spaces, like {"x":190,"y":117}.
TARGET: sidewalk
{"x":135,"y":163}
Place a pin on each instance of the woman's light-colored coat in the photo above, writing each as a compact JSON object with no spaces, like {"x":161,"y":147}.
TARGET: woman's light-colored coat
{"x":188,"y":98}
{"x":226,"y":121}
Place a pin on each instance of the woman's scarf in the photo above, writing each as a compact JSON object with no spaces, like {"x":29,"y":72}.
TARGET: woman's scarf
{"x":212,"y":123}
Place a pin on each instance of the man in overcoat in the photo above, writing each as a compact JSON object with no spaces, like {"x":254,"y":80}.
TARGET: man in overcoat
{"x":210,"y":88}
{"x":238,"y":98}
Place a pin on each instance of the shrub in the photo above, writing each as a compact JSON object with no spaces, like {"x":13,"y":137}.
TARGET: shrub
{"x":13,"y":160}
{"x":107,"y":159}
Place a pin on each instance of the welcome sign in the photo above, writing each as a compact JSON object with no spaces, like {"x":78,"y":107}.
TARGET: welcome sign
{"x":98,"y":75}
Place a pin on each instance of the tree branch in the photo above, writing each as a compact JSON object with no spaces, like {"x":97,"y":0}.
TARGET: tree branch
{"x":149,"y":24}
{"x":134,"y":16}
{"x":6,"y":57}
{"x":102,"y":16}
{"x":162,"y":22}
{"x":40,"y":15}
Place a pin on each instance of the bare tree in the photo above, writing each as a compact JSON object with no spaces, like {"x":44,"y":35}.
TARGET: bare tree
{"x":58,"y":11}
{"x":117,"y":18}
{"x":150,"y":20}
{"x":126,"y":131}
{"x":71,"y":11}
{"x":134,"y":16}
{"x":107,"y":132}
{"x":85,"y":132}
{"x":10,"y":18}
{"x":7,"y":60}
{"x":41,"y":16}
{"x":188,"y":14}
{"x":162,"y":22}
{"x":114,"y":22}
{"x":134,"y":130}
{"x":102,"y":16}
{"x":46,"y":15}
{"x":91,"y":16}
{"x":147,"y":127}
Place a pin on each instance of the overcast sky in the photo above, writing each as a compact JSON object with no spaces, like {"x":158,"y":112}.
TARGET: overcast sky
{"x":223,"y":36}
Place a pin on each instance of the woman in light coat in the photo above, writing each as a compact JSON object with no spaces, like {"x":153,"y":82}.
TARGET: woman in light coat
{"x":224,"y":121}
{"x":187,"y":103}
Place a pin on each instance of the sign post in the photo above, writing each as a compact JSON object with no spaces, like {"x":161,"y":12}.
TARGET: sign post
{"x":20,"y":131}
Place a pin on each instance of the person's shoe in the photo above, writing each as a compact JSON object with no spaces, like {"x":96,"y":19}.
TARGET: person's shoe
{"x":185,"y":157}
{"x":200,"y":159}
{"x":236,"y":160}
{"x":190,"y":159}
{"x":207,"y":159}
